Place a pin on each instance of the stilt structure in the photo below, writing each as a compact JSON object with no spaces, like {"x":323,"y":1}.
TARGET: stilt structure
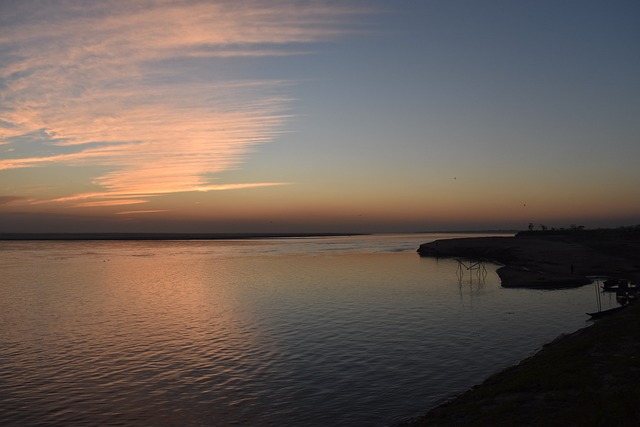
{"x":476,"y":267}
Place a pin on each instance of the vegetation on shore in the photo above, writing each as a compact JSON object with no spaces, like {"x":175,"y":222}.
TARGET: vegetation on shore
{"x":581,"y":231}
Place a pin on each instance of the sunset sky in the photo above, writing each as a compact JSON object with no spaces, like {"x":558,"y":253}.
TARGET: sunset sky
{"x":318,"y":116}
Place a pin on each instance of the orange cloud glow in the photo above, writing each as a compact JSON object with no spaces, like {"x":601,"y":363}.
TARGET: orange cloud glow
{"x":103,"y":82}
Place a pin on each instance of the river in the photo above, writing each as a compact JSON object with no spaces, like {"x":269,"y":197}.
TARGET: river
{"x":352,"y":330}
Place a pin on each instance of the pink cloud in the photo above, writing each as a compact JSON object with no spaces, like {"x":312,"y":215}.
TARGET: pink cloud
{"x":95,"y":76}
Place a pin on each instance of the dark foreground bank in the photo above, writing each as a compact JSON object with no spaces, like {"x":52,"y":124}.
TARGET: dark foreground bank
{"x":588,"y":378}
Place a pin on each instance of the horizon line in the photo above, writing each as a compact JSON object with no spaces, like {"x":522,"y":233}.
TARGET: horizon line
{"x":209,"y":236}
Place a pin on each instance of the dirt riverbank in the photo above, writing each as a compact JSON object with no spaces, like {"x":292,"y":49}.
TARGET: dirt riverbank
{"x":588,"y":378}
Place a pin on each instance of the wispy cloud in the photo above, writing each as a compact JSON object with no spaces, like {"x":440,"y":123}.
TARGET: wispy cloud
{"x":131,"y":86}
{"x":110,"y":203}
{"x":7,"y":200}
{"x":134,"y":194}
{"x":149,"y":211}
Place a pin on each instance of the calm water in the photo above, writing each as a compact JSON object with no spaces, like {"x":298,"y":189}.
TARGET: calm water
{"x":325,"y":331}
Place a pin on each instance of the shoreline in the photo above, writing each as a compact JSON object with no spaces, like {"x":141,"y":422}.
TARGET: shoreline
{"x":545,"y":262}
{"x":590,"y":377}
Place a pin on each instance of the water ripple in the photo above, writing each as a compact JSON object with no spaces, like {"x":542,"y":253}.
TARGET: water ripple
{"x":193,"y":336}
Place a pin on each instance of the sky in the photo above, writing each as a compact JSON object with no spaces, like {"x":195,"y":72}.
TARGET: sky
{"x":318,"y":116}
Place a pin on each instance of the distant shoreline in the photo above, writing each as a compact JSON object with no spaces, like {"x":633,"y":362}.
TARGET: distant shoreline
{"x":208,"y":236}
{"x":164,"y":236}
